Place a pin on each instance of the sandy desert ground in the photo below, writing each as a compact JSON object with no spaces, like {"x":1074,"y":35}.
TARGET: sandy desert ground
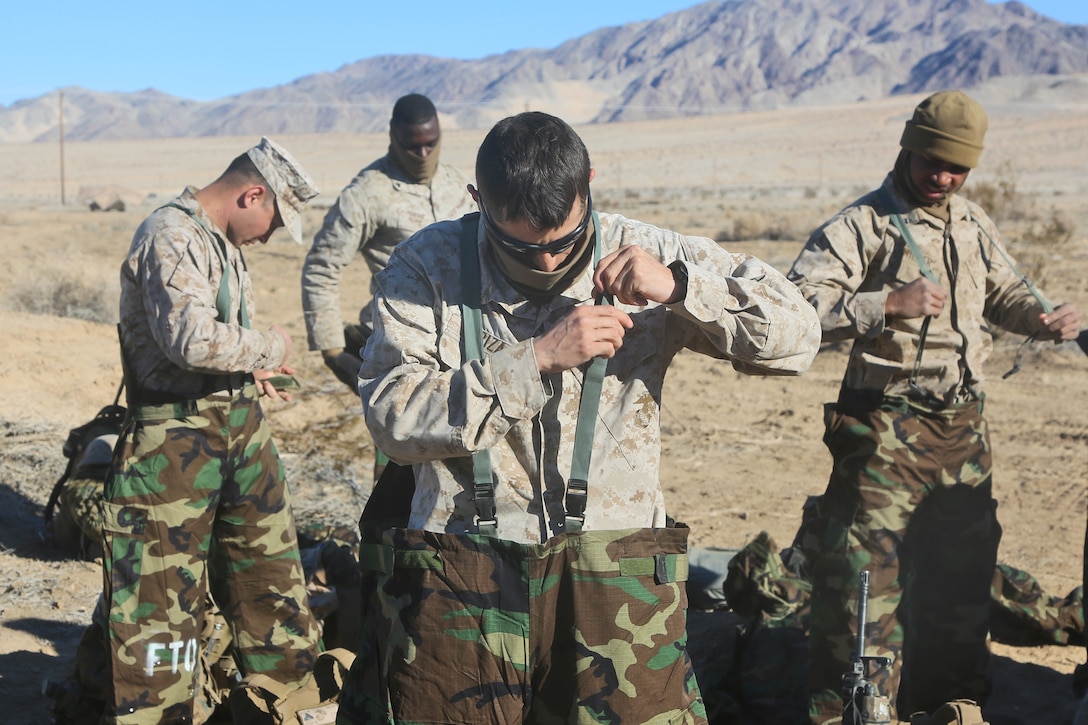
{"x":741,"y":454}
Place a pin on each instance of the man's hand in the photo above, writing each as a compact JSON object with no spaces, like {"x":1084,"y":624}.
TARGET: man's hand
{"x":634,"y":277}
{"x":920,"y":298}
{"x":344,"y":366}
{"x":583,"y":334}
{"x":1061,"y":324}
{"x":265,"y":385}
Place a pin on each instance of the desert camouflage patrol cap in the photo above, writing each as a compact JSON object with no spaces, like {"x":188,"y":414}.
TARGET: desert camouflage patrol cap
{"x":292,"y":185}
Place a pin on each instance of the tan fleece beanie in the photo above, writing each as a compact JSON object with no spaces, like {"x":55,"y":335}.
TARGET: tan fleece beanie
{"x":948,"y":126}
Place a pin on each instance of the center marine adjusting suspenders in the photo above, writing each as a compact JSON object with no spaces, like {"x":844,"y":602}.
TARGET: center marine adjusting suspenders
{"x":483,"y":480}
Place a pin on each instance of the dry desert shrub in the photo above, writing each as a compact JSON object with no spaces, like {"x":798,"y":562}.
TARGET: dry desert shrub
{"x":788,"y":225}
{"x":64,"y":294}
{"x":1001,"y":198}
{"x":1042,"y":243}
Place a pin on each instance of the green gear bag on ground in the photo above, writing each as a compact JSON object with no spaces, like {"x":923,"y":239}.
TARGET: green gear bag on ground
{"x":77,"y":526}
{"x":74,"y":510}
{"x":772,"y":585}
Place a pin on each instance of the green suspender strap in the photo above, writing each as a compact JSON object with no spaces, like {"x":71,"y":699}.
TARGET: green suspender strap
{"x":923,"y":267}
{"x":588,"y":404}
{"x":222,"y":297}
{"x":472,"y":335}
{"x":1043,"y":302}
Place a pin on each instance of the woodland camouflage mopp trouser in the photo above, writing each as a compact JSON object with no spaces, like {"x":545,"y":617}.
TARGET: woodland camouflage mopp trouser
{"x":584,"y":628}
{"x":201,"y":494}
{"x":910,"y":500}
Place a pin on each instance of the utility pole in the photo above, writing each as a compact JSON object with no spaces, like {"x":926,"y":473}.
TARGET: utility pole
{"x":62,"y":148}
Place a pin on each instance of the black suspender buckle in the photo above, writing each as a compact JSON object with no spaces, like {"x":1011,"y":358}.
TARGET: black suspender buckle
{"x":484,"y":496}
{"x":577,"y":495}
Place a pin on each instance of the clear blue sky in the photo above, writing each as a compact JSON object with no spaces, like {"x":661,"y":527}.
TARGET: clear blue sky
{"x":207,"y":49}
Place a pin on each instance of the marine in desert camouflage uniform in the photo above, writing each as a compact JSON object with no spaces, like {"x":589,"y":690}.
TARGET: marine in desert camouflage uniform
{"x":523,"y":618}
{"x":386,"y":203}
{"x":910,"y":494}
{"x":200,"y":499}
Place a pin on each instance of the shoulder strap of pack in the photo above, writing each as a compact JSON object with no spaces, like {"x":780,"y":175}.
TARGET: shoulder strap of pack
{"x":331,"y":670}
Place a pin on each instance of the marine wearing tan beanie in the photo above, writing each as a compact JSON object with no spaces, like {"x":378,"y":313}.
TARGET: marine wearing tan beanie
{"x":947,"y":126}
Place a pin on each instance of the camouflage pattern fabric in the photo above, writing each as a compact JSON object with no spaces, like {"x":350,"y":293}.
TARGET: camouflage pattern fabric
{"x":1023,"y":615}
{"x":174,"y":268}
{"x":750,"y":659}
{"x":198,"y":498}
{"x":910,"y":500}
{"x":763,"y":583}
{"x":773,"y":587}
{"x":585,"y":628}
{"x":81,"y":699}
{"x":330,"y":560}
{"x":427,"y":404}
{"x":852,"y":263}
{"x":378,"y":210}
{"x":77,"y":526}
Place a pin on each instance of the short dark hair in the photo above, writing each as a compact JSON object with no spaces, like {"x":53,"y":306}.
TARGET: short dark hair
{"x":413,"y":110}
{"x":532,"y":167}
{"x":242,"y":171}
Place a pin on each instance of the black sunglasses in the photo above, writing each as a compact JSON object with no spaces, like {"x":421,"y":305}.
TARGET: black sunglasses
{"x":558,"y":246}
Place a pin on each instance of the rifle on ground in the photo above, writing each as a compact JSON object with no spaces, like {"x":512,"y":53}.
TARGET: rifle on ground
{"x":862,"y":704}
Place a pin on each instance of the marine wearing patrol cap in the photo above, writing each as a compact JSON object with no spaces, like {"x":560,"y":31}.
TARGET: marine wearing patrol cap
{"x":290,"y":182}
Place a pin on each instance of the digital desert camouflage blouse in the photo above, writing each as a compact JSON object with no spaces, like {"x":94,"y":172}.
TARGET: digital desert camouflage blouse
{"x":378,"y":210}
{"x":426,"y":405}
{"x":851,"y":264}
{"x":169,"y":283}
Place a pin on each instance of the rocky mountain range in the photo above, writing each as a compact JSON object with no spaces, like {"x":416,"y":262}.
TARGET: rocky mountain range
{"x":713,"y":57}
